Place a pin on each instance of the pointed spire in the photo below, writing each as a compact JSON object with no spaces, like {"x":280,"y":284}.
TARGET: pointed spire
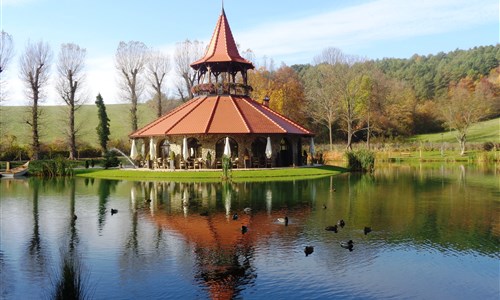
{"x":222,"y":47}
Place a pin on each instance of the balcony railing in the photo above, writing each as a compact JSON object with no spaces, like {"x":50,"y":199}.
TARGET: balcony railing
{"x":226,"y":88}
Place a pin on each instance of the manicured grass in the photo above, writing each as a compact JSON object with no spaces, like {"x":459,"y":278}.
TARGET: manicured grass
{"x":210,"y":175}
{"x":486,"y":131}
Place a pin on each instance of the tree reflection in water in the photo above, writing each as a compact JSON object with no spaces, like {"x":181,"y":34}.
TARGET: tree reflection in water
{"x":37,"y":258}
{"x":183,"y":242}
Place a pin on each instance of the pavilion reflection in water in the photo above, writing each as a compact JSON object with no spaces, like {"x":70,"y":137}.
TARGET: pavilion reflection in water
{"x":202,"y":213}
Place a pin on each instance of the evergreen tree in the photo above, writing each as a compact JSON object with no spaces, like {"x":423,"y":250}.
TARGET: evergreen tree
{"x":103,"y":126}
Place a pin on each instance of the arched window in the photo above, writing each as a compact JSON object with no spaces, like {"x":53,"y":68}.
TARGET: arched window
{"x":259,"y":147}
{"x":219,"y":148}
{"x":194,"y":148}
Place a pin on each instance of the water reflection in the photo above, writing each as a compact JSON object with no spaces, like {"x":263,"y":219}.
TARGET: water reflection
{"x":180,"y":239}
{"x":73,"y":233}
{"x":36,"y":254}
{"x":105,"y":188}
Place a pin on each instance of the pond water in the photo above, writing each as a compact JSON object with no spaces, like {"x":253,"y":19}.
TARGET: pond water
{"x":435,"y":235}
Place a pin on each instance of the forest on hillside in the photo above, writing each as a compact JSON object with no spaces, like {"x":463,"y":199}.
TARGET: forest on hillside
{"x":383,"y":99}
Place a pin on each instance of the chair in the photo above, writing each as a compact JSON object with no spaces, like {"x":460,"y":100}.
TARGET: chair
{"x":255,"y":162}
{"x":182,"y":164}
{"x":234,"y":163}
{"x":268,"y":163}
{"x":190,"y":163}
{"x":218,"y":164}
{"x":198,"y":162}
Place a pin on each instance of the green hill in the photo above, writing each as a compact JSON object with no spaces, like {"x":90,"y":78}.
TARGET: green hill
{"x":486,"y":131}
{"x":13,"y":122}
{"x":54,"y":120}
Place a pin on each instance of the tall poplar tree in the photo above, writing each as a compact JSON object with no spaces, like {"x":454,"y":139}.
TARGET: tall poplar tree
{"x":131,"y":60}
{"x":103,"y":126}
{"x":70,"y":70}
{"x":34,"y":67}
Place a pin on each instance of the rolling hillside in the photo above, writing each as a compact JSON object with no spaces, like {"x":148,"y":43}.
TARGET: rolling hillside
{"x":486,"y":131}
{"x":53,"y":122}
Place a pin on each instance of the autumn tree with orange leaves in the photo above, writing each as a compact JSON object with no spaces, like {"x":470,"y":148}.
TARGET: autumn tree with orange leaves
{"x":283,"y":87}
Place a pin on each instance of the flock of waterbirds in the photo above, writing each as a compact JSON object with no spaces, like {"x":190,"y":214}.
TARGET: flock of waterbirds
{"x":349,"y":245}
{"x":308,"y":250}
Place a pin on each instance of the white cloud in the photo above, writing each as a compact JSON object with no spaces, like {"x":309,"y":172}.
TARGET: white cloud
{"x":366,"y":23}
{"x":299,"y":40}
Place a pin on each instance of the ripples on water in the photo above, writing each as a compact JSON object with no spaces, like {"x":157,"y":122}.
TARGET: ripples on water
{"x":434,"y":237}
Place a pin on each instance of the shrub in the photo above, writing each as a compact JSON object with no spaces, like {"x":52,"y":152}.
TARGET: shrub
{"x":52,"y":168}
{"x":488,"y":146}
{"x":361,"y":160}
{"x":110,"y":160}
{"x":14,"y":153}
{"x":89,"y":152}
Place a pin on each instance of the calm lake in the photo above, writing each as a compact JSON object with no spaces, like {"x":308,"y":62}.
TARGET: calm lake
{"x":435,"y":235}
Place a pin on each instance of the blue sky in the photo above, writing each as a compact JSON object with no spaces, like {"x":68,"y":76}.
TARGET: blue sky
{"x":288,"y":31}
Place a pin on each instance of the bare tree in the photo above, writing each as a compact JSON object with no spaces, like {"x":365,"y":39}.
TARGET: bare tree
{"x":70,"y":70}
{"x":186,"y":53}
{"x":131,"y":59}
{"x":333,"y":56}
{"x":321,"y":102}
{"x":349,"y":85}
{"x":157,"y":68}
{"x":34,"y":72}
{"x":6,"y":53}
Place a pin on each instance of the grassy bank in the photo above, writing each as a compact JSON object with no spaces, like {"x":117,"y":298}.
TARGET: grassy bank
{"x":211,"y":175}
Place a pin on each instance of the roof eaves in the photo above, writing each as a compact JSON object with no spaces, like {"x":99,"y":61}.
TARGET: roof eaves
{"x":197,"y":102}
{"x":287,"y":119}
{"x":160,"y":119}
{"x":254,"y":105}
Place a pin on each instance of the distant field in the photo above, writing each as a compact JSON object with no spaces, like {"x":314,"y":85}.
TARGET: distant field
{"x":54,"y":118}
{"x":13,"y":122}
{"x":487,"y":131}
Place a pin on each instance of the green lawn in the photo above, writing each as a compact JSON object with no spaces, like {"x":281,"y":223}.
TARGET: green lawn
{"x":486,"y":131}
{"x":237,"y":175}
{"x":54,"y":120}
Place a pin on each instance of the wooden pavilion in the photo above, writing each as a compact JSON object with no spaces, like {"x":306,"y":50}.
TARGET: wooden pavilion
{"x":223,"y":112}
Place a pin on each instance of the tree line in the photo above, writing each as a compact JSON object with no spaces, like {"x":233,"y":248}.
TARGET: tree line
{"x":140,"y":70}
{"x":341,"y":97}
{"x":351,"y":99}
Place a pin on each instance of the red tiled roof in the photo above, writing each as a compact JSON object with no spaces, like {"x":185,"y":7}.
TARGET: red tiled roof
{"x":226,"y":114}
{"x":222,"y":47}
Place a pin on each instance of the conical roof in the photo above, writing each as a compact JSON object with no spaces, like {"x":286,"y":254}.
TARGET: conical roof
{"x":222,"y":48}
{"x":223,"y":114}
